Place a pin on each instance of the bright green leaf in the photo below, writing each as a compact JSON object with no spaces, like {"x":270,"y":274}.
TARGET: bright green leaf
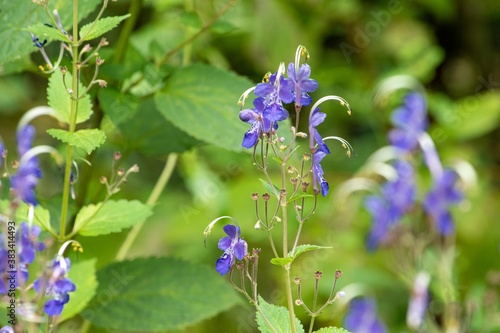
{"x":305,"y":248}
{"x":100,"y":27}
{"x":271,"y":189}
{"x":300,"y":195}
{"x":157,"y":294}
{"x":60,"y":100}
{"x":202,"y":101}
{"x":83,"y":275}
{"x":332,"y":330}
{"x":281,"y":261}
{"x":41,"y":216}
{"x":86,"y":139}
{"x":278,"y":317}
{"x":50,"y":33}
{"x":112,"y":216}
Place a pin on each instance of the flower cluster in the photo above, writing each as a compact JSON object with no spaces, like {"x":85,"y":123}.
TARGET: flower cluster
{"x":233,"y":246}
{"x":55,"y":285}
{"x":399,"y":196}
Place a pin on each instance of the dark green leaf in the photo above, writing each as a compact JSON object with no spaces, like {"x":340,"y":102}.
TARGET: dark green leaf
{"x":202,"y":101}
{"x":86,"y":139}
{"x":50,"y":33}
{"x":157,"y":294}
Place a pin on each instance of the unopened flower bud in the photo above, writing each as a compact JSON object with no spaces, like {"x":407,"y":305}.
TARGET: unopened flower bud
{"x":102,"y":83}
{"x":15,"y":164}
{"x":306,"y":157}
{"x":283,"y":192}
{"x":282,"y":139}
{"x":78,"y":65}
{"x":103,"y":180}
{"x":291,"y":169}
{"x":277,"y":218}
{"x":302,"y":135}
{"x":304,"y":186}
{"x":99,"y":61}
{"x":255,"y":196}
{"x":121,"y":172}
{"x":266,"y":196}
{"x":103,"y":42}
{"x":257,"y":225}
{"x":117,"y":155}
{"x":341,"y":294}
{"x":294,"y":181}
{"x":134,"y":168}
{"x":338,"y":273}
{"x":318,"y":274}
{"x":86,"y":48}
{"x":282,"y":148}
{"x":64,"y":70}
{"x":296,"y":280}
{"x":298,"y":302}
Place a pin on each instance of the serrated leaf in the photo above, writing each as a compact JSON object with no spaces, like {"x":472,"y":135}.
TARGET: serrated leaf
{"x":112,"y":216}
{"x":41,"y":216}
{"x":157,"y":294}
{"x":86,"y":139}
{"x":201,"y":101}
{"x":83,"y":275}
{"x":332,"y":330}
{"x":281,"y":261}
{"x":300,"y":195}
{"x":50,"y":33}
{"x":305,"y":248}
{"x":271,"y":189}
{"x":278,"y":317}
{"x":154,"y":137}
{"x":59,"y":99}
{"x":100,"y":27}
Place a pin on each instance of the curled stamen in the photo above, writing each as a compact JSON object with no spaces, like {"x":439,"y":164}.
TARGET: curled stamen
{"x":388,"y":86}
{"x":345,"y":144}
{"x":244,"y":96}
{"x":76,"y":245}
{"x":211,"y":225}
{"x":342,"y":101}
{"x":40,"y":150}
{"x":34,"y":113}
{"x":301,"y":52}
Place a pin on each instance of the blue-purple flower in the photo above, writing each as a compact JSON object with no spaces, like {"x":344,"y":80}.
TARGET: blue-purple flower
{"x":440,"y":198}
{"x":302,"y":84}
{"x":317,"y":118}
{"x":362,"y":317}
{"x":55,"y":286}
{"x":233,"y":246}
{"x":397,"y":197}
{"x":23,"y":183}
{"x":410,"y":120}
{"x":3,"y":265}
{"x":419,"y":301}
{"x":27,"y":242}
{"x":259,"y":126}
{"x":275,"y":93}
{"x":6,"y":329}
{"x":319,"y":182}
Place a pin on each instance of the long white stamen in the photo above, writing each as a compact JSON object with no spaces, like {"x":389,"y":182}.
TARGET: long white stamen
{"x":211,"y":225}
{"x":41,"y":150}
{"x":342,"y":101}
{"x":466,"y":172}
{"x":244,"y":96}
{"x":35,"y":112}
{"x":388,"y":86}
{"x":431,"y":156}
{"x":344,"y":142}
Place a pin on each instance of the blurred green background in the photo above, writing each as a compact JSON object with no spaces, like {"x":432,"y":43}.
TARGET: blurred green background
{"x":452,"y":47}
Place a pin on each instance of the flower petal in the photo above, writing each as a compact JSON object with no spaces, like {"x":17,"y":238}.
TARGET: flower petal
{"x":232,"y":231}
{"x":225,"y":243}
{"x":240,"y":249}
{"x":224,"y":263}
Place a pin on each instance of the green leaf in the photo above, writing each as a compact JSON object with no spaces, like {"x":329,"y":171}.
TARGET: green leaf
{"x":157,"y":294}
{"x":50,"y":33}
{"x":278,"y":317}
{"x":86,"y":139}
{"x":100,"y":27}
{"x":112,"y":216}
{"x":155,"y":137}
{"x":59,"y":99}
{"x":41,"y":217}
{"x":332,"y":330}
{"x":300,"y":195}
{"x":298,"y":251}
{"x":271,"y":189}
{"x":202,"y":100}
{"x":83,"y":275}
{"x":119,"y":107}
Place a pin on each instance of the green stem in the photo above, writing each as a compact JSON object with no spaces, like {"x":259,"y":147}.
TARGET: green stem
{"x":289,"y":299}
{"x":123,"y":40}
{"x":153,"y":197}
{"x":72,"y":125}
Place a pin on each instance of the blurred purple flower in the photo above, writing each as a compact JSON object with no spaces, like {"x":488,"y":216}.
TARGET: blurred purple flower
{"x":317,"y":118}
{"x":233,"y":246}
{"x":55,"y":286}
{"x":27,"y":242}
{"x":25,"y":180}
{"x":397,"y":197}
{"x":3,"y":265}
{"x":302,"y":84}
{"x":318,"y":173}
{"x":410,"y":120}
{"x":419,"y":301}
{"x":440,"y":198}
{"x":362,"y":317}
{"x":2,"y":152}
{"x":6,"y":329}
